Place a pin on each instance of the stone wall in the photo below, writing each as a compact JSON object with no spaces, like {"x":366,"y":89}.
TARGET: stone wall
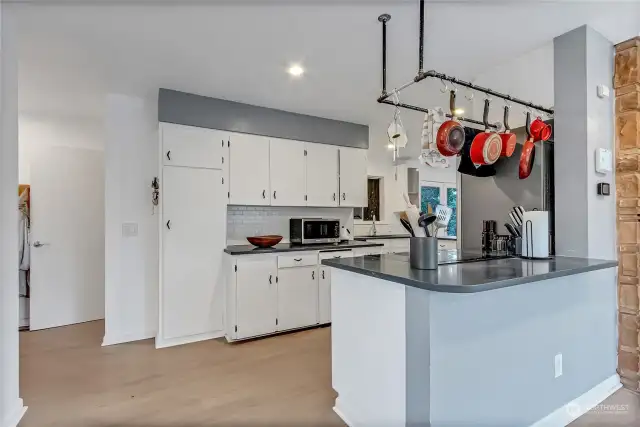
{"x":627,"y":152}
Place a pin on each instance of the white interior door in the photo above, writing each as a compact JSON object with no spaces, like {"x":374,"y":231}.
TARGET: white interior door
{"x":193,"y":240}
{"x":67,"y":236}
{"x":287,"y":172}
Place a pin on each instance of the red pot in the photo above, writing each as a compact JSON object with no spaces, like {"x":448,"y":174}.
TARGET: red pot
{"x":486,"y":148}
{"x":450,"y":138}
{"x":540,"y":130}
{"x":526,"y":158}
{"x":508,"y":144}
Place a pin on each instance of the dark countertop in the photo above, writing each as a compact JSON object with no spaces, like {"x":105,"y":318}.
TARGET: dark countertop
{"x":467,"y":277}
{"x":396,"y":236}
{"x":288,"y":247}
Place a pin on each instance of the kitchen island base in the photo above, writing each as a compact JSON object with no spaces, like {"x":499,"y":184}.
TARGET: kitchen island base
{"x":408,"y":356}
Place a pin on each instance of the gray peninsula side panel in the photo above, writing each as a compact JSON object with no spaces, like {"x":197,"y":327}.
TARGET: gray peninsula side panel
{"x":418,"y":362}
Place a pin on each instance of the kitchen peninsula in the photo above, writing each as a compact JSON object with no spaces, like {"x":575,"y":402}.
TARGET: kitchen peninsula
{"x":500,"y":342}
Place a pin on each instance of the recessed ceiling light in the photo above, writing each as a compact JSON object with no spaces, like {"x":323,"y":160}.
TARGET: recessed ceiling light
{"x":296,"y":70}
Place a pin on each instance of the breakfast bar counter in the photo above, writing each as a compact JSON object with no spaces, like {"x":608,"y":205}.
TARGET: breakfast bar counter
{"x":497,"y":342}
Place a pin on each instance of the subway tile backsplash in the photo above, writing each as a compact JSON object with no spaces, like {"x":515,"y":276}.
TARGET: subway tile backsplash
{"x":245,"y":221}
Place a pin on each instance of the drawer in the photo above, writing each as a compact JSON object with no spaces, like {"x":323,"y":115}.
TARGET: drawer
{"x":299,"y":260}
{"x":336,"y":254}
{"x":374,"y":250}
{"x":447,"y":244}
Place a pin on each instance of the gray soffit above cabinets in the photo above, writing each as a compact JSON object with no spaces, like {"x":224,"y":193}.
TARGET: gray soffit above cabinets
{"x":201,"y":111}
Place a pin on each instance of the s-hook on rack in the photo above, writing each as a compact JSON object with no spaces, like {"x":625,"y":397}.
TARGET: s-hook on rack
{"x":422,"y":75}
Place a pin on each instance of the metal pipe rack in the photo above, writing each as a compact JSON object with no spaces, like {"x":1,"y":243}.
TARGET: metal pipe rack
{"x":422,"y":75}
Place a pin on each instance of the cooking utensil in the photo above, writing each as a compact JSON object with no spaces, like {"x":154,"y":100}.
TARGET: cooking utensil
{"x":413,"y":214}
{"x":511,"y":229}
{"x":528,"y":152}
{"x":486,"y":146}
{"x":540,"y":130}
{"x":514,"y":220}
{"x":520,"y":211}
{"x":264,"y":241}
{"x":425,"y":221}
{"x":517,"y":215}
{"x":403,"y":215}
{"x":508,"y":138}
{"x":407,"y":226}
{"x":466,"y":166}
{"x":450,"y":137}
{"x":443,"y":215}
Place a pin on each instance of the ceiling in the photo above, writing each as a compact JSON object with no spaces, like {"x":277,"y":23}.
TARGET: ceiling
{"x":71,"y":54}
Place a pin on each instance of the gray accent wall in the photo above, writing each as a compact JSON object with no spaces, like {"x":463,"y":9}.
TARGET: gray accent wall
{"x":585,"y":222}
{"x":201,"y":111}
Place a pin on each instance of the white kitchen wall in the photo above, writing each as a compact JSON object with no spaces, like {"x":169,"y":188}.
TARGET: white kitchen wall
{"x":131,"y":263}
{"x":528,"y":77}
{"x":244,"y":221}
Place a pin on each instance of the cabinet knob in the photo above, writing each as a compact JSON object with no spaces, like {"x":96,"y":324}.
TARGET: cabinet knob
{"x":264,"y":194}
{"x":344,"y":196}
{"x":313,"y":275}
{"x":169,"y":155}
{"x":322,"y":274}
{"x":274,"y":194}
{"x":270,"y":279}
{"x":334,"y":197}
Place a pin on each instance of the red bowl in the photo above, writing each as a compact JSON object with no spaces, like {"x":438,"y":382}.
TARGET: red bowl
{"x":264,"y":241}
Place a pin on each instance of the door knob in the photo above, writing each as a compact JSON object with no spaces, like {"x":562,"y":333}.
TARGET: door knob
{"x":39,"y":244}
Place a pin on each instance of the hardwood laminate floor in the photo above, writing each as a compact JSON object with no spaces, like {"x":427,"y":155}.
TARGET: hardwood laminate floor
{"x":67,"y":379}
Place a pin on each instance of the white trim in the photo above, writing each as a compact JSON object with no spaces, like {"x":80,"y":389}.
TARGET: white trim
{"x":125,"y":338}
{"x":13,"y":419}
{"x":573,"y":410}
{"x":163,"y":343}
{"x":337,"y":408}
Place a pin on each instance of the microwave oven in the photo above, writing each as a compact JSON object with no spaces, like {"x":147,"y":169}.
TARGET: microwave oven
{"x":308,"y":231}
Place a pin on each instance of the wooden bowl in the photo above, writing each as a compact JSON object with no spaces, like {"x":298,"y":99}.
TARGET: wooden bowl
{"x":264,"y":241}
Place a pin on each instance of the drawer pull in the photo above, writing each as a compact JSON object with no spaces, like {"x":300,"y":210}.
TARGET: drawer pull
{"x":297,"y":259}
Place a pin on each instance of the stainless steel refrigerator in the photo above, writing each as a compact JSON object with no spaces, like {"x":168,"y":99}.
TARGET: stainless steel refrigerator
{"x":492,"y":198}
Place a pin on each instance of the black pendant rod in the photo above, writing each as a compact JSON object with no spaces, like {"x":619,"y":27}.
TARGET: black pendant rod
{"x":426,"y":110}
{"x":384,"y":18}
{"x":421,"y":48}
{"x":484,"y":90}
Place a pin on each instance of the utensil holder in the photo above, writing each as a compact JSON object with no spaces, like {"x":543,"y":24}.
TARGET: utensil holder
{"x":423,"y":253}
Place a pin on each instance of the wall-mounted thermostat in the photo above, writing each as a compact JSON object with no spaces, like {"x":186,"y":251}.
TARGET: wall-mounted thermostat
{"x":604,"y":160}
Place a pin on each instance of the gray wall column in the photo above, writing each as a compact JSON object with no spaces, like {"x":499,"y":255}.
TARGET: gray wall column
{"x":585,"y":222}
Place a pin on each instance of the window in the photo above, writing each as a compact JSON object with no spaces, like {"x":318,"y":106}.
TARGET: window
{"x":436,"y":193}
{"x":373,"y":206}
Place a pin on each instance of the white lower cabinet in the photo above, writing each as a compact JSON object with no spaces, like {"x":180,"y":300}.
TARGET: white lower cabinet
{"x":297,"y":297}
{"x":256,"y":295}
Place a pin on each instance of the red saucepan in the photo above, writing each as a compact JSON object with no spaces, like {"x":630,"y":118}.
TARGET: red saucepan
{"x":528,"y":152}
{"x":508,"y":138}
{"x":486,"y":146}
{"x":450,"y":138}
{"x":540,"y":130}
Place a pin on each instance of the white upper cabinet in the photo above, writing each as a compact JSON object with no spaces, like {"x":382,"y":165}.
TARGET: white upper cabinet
{"x":249,"y":170}
{"x":322,"y":175}
{"x":287,"y":172}
{"x":353,"y":177}
{"x":191,"y":146}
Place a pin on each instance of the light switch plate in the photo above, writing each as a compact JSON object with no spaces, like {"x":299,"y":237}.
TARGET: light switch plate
{"x":129,"y":229}
{"x":558,"y":365}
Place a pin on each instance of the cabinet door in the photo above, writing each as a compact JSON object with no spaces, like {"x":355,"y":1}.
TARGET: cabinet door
{"x":193,"y":240}
{"x":324,"y":295}
{"x":353,"y":177}
{"x":297,"y":297}
{"x":191,"y":146}
{"x":256,"y":296}
{"x":322,"y":175}
{"x":287,"y":172}
{"x":249,"y":170}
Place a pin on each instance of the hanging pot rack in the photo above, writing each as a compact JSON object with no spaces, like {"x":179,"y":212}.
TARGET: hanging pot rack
{"x":422,"y":75}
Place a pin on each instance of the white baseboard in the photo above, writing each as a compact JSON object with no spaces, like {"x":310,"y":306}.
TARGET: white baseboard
{"x":171,"y":342}
{"x":13,"y":419}
{"x":573,"y":410}
{"x":124,"y":338}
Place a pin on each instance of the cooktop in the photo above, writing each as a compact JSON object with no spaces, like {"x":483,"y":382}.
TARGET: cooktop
{"x":454,"y":256}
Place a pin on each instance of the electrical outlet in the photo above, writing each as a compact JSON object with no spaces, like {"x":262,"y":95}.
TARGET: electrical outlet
{"x":129,"y":229}
{"x":558,"y":365}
